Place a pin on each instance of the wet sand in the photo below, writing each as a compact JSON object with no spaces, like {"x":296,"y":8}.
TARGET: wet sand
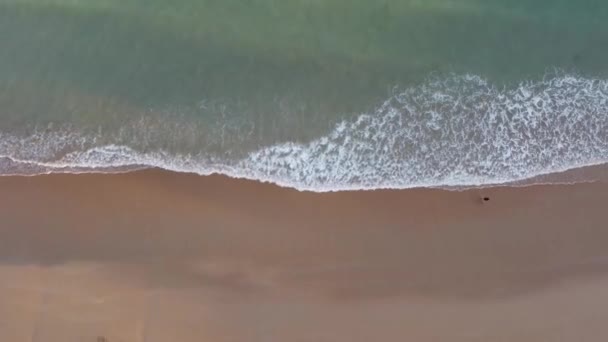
{"x":159,"y":256}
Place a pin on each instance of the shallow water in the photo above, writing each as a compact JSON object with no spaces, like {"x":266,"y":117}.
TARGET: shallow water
{"x":318,"y":95}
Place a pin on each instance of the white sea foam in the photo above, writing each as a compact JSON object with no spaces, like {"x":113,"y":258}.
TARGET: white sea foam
{"x":455,"y":131}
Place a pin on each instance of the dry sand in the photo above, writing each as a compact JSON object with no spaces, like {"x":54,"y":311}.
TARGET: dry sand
{"x":157,"y":256}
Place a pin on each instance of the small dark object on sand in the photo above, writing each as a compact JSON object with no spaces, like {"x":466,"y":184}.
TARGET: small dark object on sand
{"x":485,"y":199}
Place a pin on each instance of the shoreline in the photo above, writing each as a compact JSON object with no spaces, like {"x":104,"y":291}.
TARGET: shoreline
{"x":576,"y":175}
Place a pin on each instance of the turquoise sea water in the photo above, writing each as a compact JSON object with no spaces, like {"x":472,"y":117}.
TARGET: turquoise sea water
{"x":314,"y":94}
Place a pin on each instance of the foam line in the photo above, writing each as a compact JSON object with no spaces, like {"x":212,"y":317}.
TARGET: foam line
{"x":450,"y":132}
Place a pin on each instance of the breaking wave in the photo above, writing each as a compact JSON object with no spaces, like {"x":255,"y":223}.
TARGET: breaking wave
{"x":458,"y":131}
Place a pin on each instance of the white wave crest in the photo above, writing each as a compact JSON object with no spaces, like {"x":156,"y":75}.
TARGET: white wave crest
{"x":456,"y":131}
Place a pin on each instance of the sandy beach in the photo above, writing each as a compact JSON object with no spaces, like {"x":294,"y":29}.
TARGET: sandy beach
{"x":294,"y":171}
{"x":159,"y":256}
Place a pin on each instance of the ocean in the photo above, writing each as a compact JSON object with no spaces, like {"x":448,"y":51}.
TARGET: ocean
{"x":319,"y":95}
{"x":303,"y":170}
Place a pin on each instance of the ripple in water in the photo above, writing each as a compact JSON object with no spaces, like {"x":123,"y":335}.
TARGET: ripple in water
{"x":457,"y":131}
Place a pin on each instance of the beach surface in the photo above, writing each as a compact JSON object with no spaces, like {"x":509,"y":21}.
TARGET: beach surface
{"x":160,"y":256}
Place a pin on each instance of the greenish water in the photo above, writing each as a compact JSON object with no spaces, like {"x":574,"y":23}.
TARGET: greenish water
{"x":270,"y":70}
{"x":335,"y":55}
